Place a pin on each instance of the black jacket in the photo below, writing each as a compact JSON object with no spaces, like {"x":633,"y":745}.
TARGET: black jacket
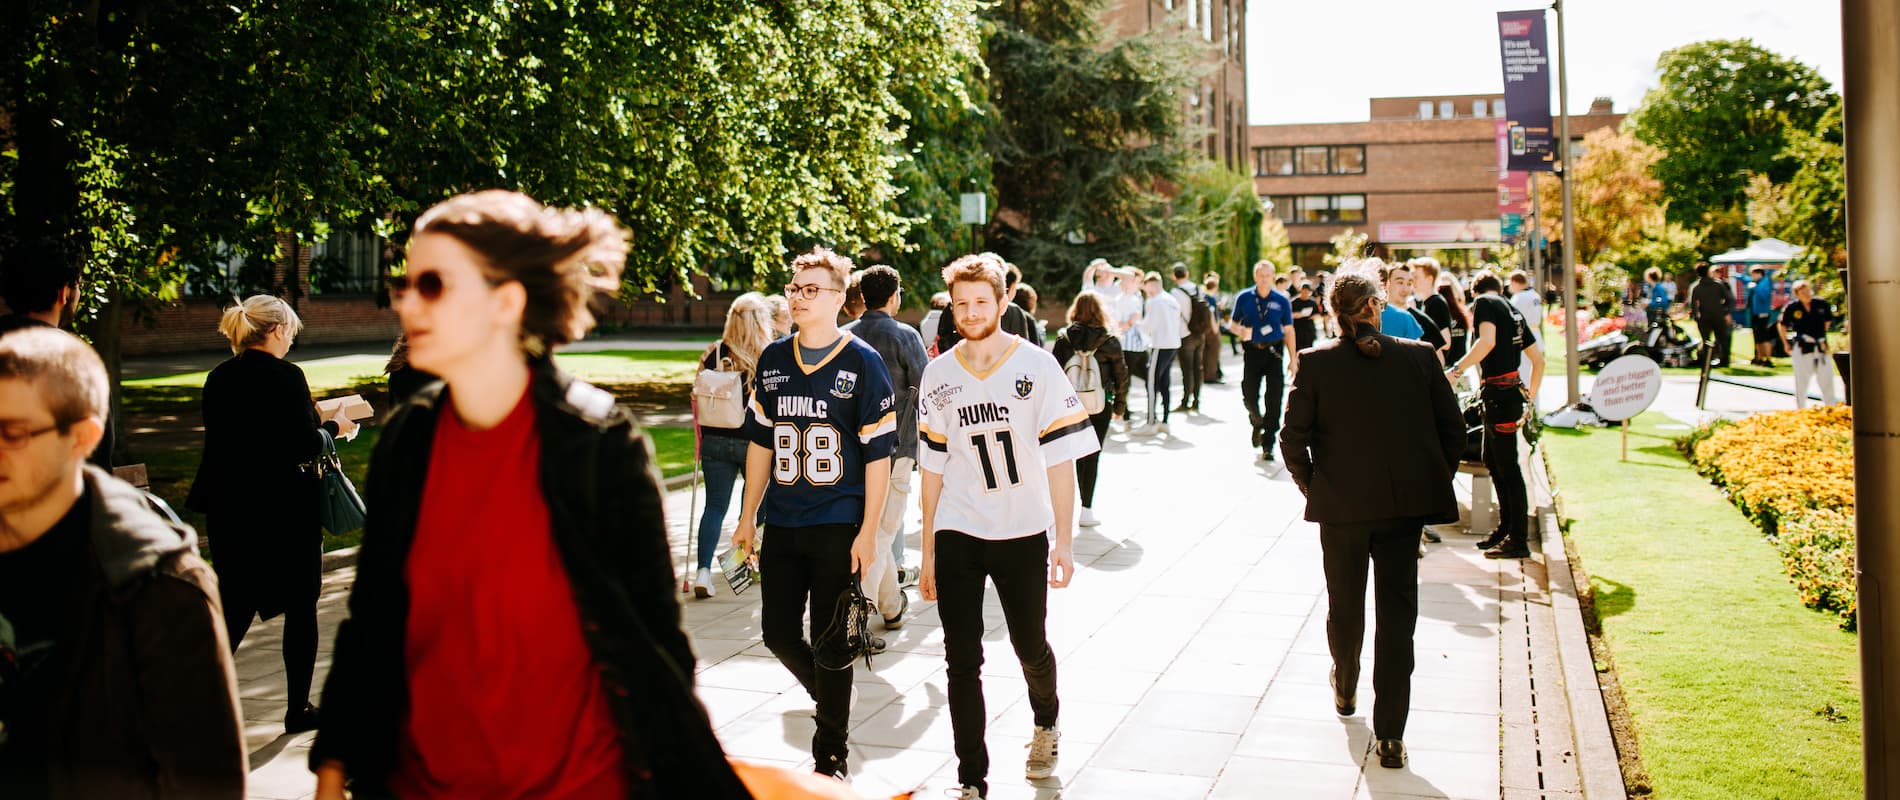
{"x":605,"y":514}
{"x":903,"y":352}
{"x":1711,"y":300}
{"x":1108,"y":357}
{"x":260,"y":426}
{"x":148,"y":708}
{"x":1373,"y":438}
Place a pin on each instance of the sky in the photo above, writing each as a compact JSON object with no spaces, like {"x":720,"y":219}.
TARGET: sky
{"x":1320,"y":60}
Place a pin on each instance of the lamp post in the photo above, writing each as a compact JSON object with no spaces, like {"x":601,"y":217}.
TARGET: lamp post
{"x":1572,"y":363}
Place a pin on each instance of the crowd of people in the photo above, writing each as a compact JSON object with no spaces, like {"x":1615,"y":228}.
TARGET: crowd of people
{"x":562,"y":577}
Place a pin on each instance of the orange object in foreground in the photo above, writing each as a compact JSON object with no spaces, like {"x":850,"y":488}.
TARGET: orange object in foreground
{"x":779,"y":783}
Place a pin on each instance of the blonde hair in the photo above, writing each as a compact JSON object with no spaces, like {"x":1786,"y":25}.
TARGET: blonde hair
{"x":781,"y":311}
{"x":561,"y":257}
{"x":748,"y":331}
{"x":249,"y":323}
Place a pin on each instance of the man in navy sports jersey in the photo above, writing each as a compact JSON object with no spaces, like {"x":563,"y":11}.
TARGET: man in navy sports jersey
{"x":822,"y":426}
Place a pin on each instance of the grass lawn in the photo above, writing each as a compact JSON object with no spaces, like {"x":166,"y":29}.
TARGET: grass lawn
{"x":165,"y":409}
{"x":1736,"y":689}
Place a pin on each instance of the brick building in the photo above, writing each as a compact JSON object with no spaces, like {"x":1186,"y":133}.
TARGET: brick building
{"x":1220,"y":104}
{"x":1419,"y":177}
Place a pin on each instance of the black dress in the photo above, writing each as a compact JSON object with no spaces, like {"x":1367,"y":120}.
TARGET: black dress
{"x":260,"y":505}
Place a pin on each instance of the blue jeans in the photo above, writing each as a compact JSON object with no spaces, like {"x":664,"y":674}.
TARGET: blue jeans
{"x":1160,"y":388}
{"x":721,"y":462}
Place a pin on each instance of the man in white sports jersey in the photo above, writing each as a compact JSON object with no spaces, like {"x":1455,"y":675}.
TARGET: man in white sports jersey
{"x":1001,"y":428}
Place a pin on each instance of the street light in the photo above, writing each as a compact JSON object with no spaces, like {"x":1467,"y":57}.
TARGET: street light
{"x":1572,"y":362}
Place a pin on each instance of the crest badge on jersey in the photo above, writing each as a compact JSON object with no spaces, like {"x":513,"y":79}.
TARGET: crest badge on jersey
{"x":1025,"y":385}
{"x":846,"y":383}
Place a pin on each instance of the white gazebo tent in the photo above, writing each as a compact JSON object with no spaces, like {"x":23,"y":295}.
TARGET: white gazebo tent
{"x":1761,"y":251}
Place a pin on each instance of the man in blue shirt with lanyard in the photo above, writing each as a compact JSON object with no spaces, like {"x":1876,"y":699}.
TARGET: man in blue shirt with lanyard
{"x":1263,"y":319}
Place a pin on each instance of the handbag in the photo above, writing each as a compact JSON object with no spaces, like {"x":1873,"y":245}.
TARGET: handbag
{"x":342,"y":510}
{"x":720,"y":394}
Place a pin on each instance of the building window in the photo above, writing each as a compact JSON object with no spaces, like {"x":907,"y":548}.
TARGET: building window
{"x":1314,"y":209}
{"x":1445,"y":110}
{"x":1318,"y":159}
{"x":1497,"y":108}
{"x":1424,"y":109}
{"x":1349,"y":159}
{"x":1282,"y":206}
{"x":1477,"y":109}
{"x":1312,"y":160}
{"x":1207,"y":20}
{"x":349,"y":262}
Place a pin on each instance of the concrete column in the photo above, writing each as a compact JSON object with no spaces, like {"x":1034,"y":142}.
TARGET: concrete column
{"x":1871,"y":45}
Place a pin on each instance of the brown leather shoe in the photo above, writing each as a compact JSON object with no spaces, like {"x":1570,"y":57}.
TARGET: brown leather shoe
{"x":1391,"y":753}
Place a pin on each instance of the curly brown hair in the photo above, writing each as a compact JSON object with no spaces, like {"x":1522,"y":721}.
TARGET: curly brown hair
{"x":562,"y":257}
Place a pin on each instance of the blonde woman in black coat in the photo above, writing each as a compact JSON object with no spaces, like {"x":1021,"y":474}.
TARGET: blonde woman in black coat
{"x":258,"y":494}
{"x":1372,"y":437}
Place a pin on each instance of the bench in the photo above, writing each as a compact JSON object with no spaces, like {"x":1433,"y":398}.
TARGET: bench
{"x":1483,"y":509}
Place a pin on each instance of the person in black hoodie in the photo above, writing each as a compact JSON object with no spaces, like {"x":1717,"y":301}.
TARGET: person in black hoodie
{"x":115,"y":678}
{"x":1372,"y":438}
{"x":515,"y":545}
{"x":259,"y":491}
{"x":1088,"y":333}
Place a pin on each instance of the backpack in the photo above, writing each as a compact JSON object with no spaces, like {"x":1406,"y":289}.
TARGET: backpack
{"x":719,"y":394}
{"x":1085,"y":374}
{"x":1200,"y":315}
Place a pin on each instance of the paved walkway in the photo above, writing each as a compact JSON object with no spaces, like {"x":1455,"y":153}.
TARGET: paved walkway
{"x":1192,"y":649}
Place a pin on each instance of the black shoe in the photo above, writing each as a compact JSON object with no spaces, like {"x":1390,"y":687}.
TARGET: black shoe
{"x":1256,"y":435}
{"x":1344,"y":704}
{"x":1491,"y":541}
{"x":303,"y":719}
{"x":832,"y":767}
{"x":1267,"y":451}
{"x":1509,"y":549}
{"x":1431,"y":536}
{"x":1391,"y":753}
{"x":895,"y":621}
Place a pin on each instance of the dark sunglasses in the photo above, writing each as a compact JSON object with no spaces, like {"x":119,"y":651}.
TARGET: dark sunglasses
{"x":428,"y":285}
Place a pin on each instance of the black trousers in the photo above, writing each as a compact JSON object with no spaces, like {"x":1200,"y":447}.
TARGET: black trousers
{"x":1503,"y":411}
{"x":1716,"y":332}
{"x":811,"y":567}
{"x":1087,"y":468}
{"x":1020,"y":569}
{"x":300,"y":640}
{"x":1392,"y":545}
{"x":1193,"y":372}
{"x":1262,"y":364}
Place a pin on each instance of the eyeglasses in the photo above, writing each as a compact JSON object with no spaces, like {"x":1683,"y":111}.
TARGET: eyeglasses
{"x":808,"y":291}
{"x":428,"y":285}
{"x":15,"y":437}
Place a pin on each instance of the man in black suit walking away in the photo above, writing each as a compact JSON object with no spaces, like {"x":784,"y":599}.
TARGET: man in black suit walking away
{"x":1372,"y":438}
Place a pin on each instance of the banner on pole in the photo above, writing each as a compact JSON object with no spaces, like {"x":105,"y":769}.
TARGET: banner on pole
{"x":1526,"y":57}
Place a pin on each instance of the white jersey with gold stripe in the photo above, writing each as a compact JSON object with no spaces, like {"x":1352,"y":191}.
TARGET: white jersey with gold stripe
{"x":993,"y":435}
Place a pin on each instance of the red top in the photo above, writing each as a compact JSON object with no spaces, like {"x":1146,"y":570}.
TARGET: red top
{"x":504,"y":697}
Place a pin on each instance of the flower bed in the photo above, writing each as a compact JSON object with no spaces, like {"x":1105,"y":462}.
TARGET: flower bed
{"x":1792,"y":473}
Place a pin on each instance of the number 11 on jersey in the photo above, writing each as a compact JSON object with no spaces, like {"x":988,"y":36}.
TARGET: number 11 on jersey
{"x":992,"y":447}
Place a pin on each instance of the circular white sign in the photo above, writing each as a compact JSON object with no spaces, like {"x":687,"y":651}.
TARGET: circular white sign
{"x":1626,"y":387}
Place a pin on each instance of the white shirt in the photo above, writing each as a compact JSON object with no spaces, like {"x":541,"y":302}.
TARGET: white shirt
{"x":993,"y":436}
{"x":1183,"y":294}
{"x":1127,"y":312}
{"x":1532,"y":307}
{"x":1162,"y":323}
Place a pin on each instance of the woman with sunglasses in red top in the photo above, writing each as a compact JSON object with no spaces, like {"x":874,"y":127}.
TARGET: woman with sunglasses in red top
{"x":513,"y":630}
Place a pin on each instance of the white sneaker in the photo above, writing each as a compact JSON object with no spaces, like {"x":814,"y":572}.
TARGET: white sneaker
{"x":1088,"y":519}
{"x":1042,"y":754}
{"x":703,"y":585}
{"x":1161,"y":427}
{"x":964,"y":793}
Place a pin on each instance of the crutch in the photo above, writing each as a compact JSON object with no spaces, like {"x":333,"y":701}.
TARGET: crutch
{"x":692,"y":509}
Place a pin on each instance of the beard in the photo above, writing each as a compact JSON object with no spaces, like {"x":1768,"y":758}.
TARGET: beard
{"x":981,"y":329}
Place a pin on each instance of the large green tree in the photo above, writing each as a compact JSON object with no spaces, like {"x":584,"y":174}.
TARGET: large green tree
{"x":1722,"y":111}
{"x":1091,"y":136}
{"x":720,"y":131}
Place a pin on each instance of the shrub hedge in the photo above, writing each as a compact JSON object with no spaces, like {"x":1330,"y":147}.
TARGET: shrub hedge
{"x":1792,"y":473}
